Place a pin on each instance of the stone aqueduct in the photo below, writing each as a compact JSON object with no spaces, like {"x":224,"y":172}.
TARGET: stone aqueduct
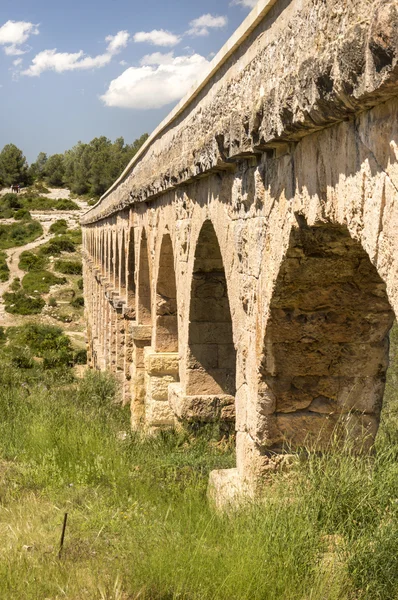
{"x":244,"y":267}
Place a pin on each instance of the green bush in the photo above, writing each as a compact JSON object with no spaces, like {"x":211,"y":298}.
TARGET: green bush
{"x":19,"y":234}
{"x":28,"y":261}
{"x":4,"y":270}
{"x":15,"y":285}
{"x":80,"y":283}
{"x":34,"y":202}
{"x":42,"y":341}
{"x":77,"y":302}
{"x":20,"y":303}
{"x":52,"y":302}
{"x":65,"y":204}
{"x":22,"y":214}
{"x":56,"y":246}
{"x":68,"y":267}
{"x":40,"y":281}
{"x":10,"y":201}
{"x":75,"y":235}
{"x":59,"y":226}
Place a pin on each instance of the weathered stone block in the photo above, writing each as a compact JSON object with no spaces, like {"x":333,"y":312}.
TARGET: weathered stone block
{"x":161,"y":363}
{"x":157,"y":387}
{"x":158,"y":414}
{"x":141,"y":332}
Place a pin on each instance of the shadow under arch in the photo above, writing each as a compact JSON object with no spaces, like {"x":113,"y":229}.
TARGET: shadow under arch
{"x":123,"y":266}
{"x":144,"y":316}
{"x":326,"y":343}
{"x":211,"y":364}
{"x":166,"y":331}
{"x":130,"y":275}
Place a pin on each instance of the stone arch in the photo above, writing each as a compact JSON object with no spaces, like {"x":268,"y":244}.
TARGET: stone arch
{"x":326,"y":342}
{"x":211,"y":364}
{"x":166,"y":330}
{"x":144,"y":316}
{"x":131,"y":270}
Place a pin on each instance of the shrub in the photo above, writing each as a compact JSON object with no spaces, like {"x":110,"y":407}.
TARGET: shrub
{"x":52,"y":302}
{"x":66,"y":204}
{"x":4,"y":270}
{"x":11,"y":201}
{"x":28,"y":261}
{"x":43,"y":341}
{"x":22,"y":214}
{"x":40,"y":188}
{"x":59,"y":226}
{"x":56,"y":246}
{"x":40,"y":281}
{"x":75,"y":235}
{"x":16,"y":285}
{"x":80,"y":283}
{"x":19,"y":234}
{"x":19,"y":303}
{"x":77,"y":302}
{"x":68,"y":267}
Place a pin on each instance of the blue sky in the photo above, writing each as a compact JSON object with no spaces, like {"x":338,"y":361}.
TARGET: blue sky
{"x":73,"y":71}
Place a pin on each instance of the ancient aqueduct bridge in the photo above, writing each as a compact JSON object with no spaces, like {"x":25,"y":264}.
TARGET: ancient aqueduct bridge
{"x":244,"y":267}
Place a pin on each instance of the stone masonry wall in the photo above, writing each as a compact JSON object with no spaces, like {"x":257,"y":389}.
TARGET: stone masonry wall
{"x":260,"y":293}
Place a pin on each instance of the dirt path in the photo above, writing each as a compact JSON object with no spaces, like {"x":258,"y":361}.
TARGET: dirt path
{"x":13,"y":254}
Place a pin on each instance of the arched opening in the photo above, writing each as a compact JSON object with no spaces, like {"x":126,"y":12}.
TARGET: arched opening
{"x":102,"y":252}
{"x":131,"y":270}
{"x":117,"y":263}
{"x":123,"y":267}
{"x":166,"y":335}
{"x":144,"y":284}
{"x":211,"y":366}
{"x":110,"y":256}
{"x":326,"y":343}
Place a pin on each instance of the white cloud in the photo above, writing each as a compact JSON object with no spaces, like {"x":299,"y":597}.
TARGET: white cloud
{"x":51,"y":60}
{"x":117,"y":42}
{"x":201,"y":25}
{"x":17,"y":62}
{"x":164,"y":79}
{"x":157,"y":37}
{"x":14,"y":34}
{"x":157,"y":58}
{"x":246,"y":3}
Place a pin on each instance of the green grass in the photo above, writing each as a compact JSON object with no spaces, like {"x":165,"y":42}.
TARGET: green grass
{"x":139,"y":524}
{"x":40,"y":281}
{"x":19,"y":234}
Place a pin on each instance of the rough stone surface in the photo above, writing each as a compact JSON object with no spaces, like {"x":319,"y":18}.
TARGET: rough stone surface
{"x":260,"y":239}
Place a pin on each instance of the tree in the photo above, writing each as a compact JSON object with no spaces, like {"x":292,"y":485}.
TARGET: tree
{"x":55,"y":169}
{"x":37,"y":169}
{"x":13,"y":166}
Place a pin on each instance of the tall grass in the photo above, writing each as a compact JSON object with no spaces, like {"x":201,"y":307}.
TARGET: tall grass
{"x":139,"y":522}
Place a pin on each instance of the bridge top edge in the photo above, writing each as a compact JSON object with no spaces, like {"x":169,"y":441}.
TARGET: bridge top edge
{"x":237,"y":38}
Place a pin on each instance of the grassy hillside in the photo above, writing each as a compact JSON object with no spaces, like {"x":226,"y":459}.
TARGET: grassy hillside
{"x":139,"y":522}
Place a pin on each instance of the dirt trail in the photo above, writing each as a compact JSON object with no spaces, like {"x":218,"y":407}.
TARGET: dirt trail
{"x":13,"y":254}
